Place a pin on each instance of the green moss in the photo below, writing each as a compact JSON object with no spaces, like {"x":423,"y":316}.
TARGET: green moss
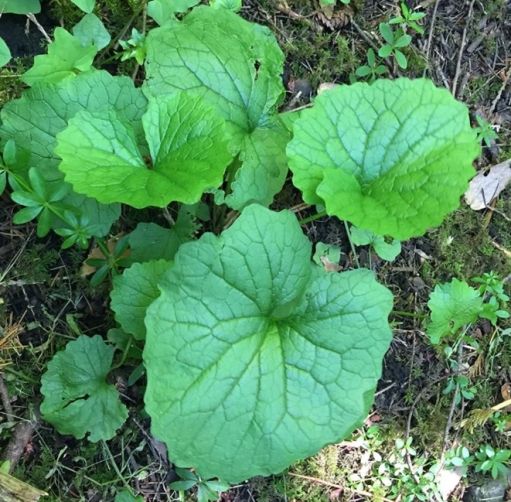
{"x":10,"y":83}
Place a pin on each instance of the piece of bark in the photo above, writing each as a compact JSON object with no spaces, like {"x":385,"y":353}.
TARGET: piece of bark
{"x":487,"y":186}
{"x":14,"y":490}
{"x":20,"y":438}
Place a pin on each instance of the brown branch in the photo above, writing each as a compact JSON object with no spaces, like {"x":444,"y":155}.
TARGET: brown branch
{"x":462,"y":48}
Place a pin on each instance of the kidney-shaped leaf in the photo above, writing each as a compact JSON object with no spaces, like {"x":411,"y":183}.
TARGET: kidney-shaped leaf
{"x":244,"y":85}
{"x":393,"y":157}
{"x":187,"y":142}
{"x":255,"y":356}
{"x":77,"y":398}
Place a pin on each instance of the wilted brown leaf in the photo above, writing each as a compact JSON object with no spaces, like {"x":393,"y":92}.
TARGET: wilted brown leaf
{"x":487,"y":186}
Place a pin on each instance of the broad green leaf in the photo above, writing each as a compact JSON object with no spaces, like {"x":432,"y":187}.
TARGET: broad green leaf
{"x":77,"y":398}
{"x":385,"y":250}
{"x":151,"y":242}
{"x":264,"y":168}
{"x":233,"y":5}
{"x":244,"y":85}
{"x":91,"y":31}
{"x":34,"y":120}
{"x":20,"y":6}
{"x":252,"y":351}
{"x":5,"y":53}
{"x":133,"y":292}
{"x":85,"y":5}
{"x":187,"y":142}
{"x":393,"y":157}
{"x":453,"y":305}
{"x":162,"y":11}
{"x":66,"y":56}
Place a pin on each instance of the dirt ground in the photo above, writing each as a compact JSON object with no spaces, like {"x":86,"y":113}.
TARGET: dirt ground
{"x":44,"y":300}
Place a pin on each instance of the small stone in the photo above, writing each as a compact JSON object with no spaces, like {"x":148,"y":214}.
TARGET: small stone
{"x":492,"y":491}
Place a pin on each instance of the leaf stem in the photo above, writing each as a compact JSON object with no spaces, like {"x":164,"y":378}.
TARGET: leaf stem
{"x":348,"y":233}
{"x":314,"y":217}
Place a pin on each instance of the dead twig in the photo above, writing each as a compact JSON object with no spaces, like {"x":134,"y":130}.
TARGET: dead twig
{"x":507,"y":76}
{"x":40,"y":27}
{"x":431,"y":30}
{"x":6,"y":402}
{"x":462,"y":48}
{"x":19,"y":441}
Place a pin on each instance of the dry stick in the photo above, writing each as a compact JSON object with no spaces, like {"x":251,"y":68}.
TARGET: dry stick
{"x":20,"y":438}
{"x":338,"y":487}
{"x":462,"y":48}
{"x":4,"y":394}
{"x":40,"y":27}
{"x":501,"y":90}
{"x":431,"y":29}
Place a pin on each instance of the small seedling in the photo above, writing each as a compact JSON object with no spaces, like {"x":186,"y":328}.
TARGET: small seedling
{"x":394,"y":42}
{"x":496,"y":462}
{"x":485,"y":131}
{"x":206,"y":490}
{"x":408,"y":19}
{"x":134,"y":47}
{"x":373,"y":69}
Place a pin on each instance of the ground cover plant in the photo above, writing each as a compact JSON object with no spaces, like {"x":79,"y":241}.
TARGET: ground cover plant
{"x":245,"y":351}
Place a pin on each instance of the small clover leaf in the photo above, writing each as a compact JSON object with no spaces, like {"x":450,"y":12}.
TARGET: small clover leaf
{"x":77,"y":398}
{"x":385,"y":250}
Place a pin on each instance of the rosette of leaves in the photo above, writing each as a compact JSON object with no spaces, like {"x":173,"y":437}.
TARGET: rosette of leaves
{"x":244,"y":86}
{"x":393,"y":157}
{"x":257,"y":357}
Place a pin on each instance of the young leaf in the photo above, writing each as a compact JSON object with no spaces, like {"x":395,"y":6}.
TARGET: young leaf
{"x":162,"y":11}
{"x":86,"y":5}
{"x":91,"y":31}
{"x":5,"y":53}
{"x":245,"y":86}
{"x":233,"y":5}
{"x":66,"y":55}
{"x":187,"y":142}
{"x":77,"y":398}
{"x":20,"y":6}
{"x":393,"y":157}
{"x":452,"y":306}
{"x":283,"y":347}
{"x":127,"y":496}
{"x":387,"y":33}
{"x":385,"y":250}
{"x":134,"y":291}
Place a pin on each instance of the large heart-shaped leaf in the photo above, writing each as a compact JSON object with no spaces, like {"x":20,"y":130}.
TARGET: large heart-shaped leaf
{"x":255,"y":356}
{"x":244,"y":85}
{"x":393,"y":157}
{"x":77,"y":398}
{"x":187,"y":142}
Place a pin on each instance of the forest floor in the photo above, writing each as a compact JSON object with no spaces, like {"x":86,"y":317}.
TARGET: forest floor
{"x":416,"y":422}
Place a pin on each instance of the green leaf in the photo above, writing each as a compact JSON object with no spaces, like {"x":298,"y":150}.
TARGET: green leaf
{"x":403,"y":41}
{"x":20,"y":6}
{"x":401,"y":59}
{"x":385,"y":250}
{"x":283,"y":347}
{"x":183,"y":485}
{"x":91,"y":31}
{"x":151,"y":242}
{"x":162,"y":11}
{"x":264,"y":167}
{"x":453,"y":305}
{"x":387,"y":33}
{"x":232,"y":5}
{"x":187,"y":142}
{"x":85,"y":5}
{"x":34,"y":120}
{"x":77,"y":398}
{"x":66,"y":56}
{"x":26,"y":214}
{"x":134,"y":291}
{"x":385,"y":51}
{"x":5,"y":53}
{"x":393,"y":157}
{"x":245,"y":85}
{"x":127,"y":496}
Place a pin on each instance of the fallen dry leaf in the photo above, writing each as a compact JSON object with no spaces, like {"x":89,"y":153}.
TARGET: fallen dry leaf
{"x":326,"y":86}
{"x":487,"y":186}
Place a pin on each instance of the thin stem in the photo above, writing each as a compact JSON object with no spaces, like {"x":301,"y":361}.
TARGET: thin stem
{"x":314,"y":217}
{"x":124,"y":354}
{"x":116,"y":468}
{"x":348,"y":233}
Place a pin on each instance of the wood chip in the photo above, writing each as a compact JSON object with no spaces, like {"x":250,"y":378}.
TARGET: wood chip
{"x":487,"y":186}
